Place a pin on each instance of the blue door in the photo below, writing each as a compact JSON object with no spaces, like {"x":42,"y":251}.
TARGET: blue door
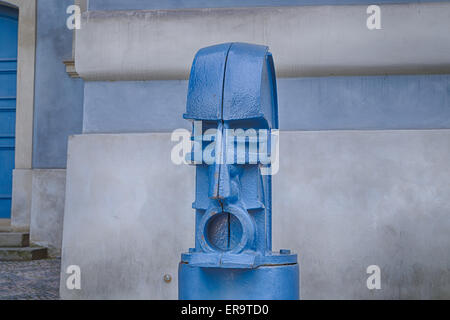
{"x":8,"y":74}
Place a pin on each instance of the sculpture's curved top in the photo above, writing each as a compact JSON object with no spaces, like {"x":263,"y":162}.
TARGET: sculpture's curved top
{"x":233,"y":81}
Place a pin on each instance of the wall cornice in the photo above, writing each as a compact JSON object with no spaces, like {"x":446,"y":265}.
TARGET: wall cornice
{"x":305,"y":40}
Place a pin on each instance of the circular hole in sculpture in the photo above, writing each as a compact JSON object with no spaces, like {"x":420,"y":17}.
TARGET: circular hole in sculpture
{"x":223,"y":231}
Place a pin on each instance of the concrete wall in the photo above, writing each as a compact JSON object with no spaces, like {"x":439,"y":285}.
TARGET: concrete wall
{"x":134,"y":106}
{"x":350,"y":199}
{"x":47,"y":209}
{"x":343,"y":200}
{"x":58,"y":98}
{"x":122,"y":225}
{"x":305,"y":40}
{"x":177,"y":4}
{"x":21,"y":206}
{"x":373,"y":102}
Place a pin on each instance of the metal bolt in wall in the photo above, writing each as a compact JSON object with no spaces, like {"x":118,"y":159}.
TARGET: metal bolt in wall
{"x":167,"y":278}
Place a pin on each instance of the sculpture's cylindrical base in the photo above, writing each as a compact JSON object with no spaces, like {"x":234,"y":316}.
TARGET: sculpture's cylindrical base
{"x":279,"y":282}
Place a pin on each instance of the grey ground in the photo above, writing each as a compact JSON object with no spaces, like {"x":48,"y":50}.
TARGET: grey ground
{"x":30,"y":280}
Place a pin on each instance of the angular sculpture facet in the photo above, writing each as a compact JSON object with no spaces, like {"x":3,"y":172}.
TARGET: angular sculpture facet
{"x":232,"y":102}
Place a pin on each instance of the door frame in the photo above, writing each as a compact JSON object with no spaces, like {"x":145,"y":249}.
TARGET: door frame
{"x":10,"y":16}
{"x":26,"y":53}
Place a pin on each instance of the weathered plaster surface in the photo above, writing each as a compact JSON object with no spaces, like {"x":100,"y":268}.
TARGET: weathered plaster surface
{"x":47,"y":209}
{"x":343,"y":200}
{"x":331,"y":103}
{"x":21,"y":205}
{"x":306,"y":40}
{"x":59,"y":98}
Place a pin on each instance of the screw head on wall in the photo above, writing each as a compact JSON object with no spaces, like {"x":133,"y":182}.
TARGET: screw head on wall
{"x":167,"y":278}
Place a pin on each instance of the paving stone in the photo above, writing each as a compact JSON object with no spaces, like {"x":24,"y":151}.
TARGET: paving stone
{"x":30,"y":280}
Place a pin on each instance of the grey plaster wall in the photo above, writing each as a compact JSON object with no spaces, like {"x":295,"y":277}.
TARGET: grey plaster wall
{"x":372,"y":102}
{"x":342,"y":200}
{"x":348,"y":200}
{"x":176,"y":4}
{"x":134,"y":106}
{"x":128,"y":216}
{"x":21,"y":204}
{"x":47,"y":209}
{"x":305,"y":40}
{"x":58,"y":108}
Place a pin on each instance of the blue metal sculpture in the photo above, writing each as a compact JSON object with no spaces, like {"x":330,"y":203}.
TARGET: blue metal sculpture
{"x":232,"y":88}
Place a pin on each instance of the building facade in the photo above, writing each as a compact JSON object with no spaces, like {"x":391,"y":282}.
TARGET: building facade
{"x":86,"y":117}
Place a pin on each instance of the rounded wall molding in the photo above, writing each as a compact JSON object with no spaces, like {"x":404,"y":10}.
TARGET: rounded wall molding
{"x":306,"y":40}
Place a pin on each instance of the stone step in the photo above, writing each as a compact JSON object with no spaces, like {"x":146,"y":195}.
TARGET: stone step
{"x":23,"y":254}
{"x":5,"y":229}
{"x":5,"y":222}
{"x":14,"y":239}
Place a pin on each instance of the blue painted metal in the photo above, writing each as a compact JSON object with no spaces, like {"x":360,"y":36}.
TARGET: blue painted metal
{"x":233,"y":86}
{"x":263,"y":283}
{"x":8,"y":67}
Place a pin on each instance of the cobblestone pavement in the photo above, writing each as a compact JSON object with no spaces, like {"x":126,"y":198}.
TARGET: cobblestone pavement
{"x":30,"y":280}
